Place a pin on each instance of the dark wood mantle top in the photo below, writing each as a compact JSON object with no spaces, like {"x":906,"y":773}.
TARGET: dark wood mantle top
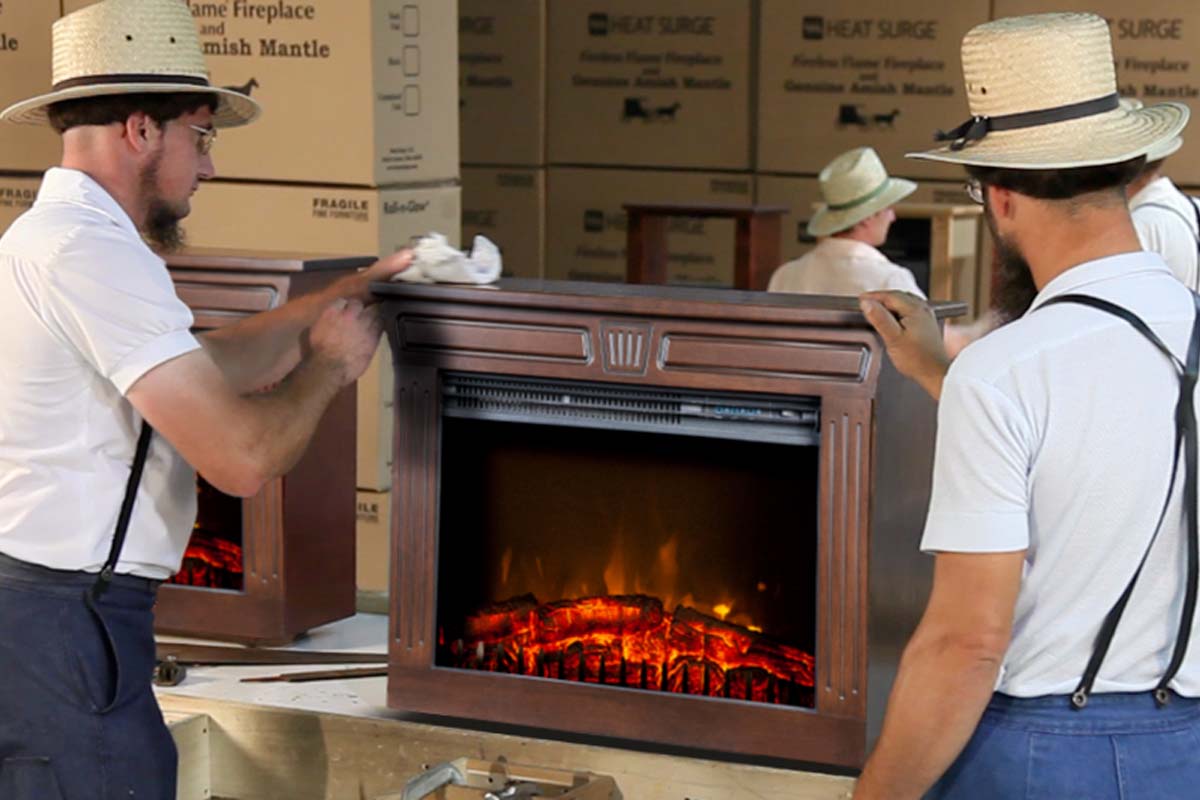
{"x":215,"y":258}
{"x":638,"y":300}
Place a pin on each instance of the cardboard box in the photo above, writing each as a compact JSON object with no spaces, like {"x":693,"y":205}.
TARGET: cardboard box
{"x":799,"y":194}
{"x":882,"y":73}
{"x":361,"y":93}
{"x":663,"y":83}
{"x":319,"y":219}
{"x":502,"y":81}
{"x":585,"y":222}
{"x":25,"y":72}
{"x":17,"y":193}
{"x":1155,"y":46}
{"x":373,"y":515}
{"x":376,"y":422}
{"x":508,"y":206}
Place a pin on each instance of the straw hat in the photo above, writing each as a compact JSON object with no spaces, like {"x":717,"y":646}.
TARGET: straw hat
{"x":854,"y":186}
{"x":1162,"y":149}
{"x":1042,"y":91}
{"x":131,"y":47}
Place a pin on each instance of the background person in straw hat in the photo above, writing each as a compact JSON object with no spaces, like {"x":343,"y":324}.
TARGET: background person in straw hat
{"x":1166,"y":219}
{"x":93,"y":341}
{"x":1028,"y":676}
{"x":851,"y":224}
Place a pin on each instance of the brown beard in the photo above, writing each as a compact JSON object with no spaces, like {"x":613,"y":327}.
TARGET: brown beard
{"x":161,"y":228}
{"x":1015,"y":290}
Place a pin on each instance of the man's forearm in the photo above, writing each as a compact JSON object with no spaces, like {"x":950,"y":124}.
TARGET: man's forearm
{"x":933,"y":378}
{"x":281,"y":422}
{"x":261,"y":350}
{"x":940,"y":693}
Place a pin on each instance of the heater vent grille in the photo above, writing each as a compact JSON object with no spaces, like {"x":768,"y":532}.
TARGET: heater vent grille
{"x":749,"y":417}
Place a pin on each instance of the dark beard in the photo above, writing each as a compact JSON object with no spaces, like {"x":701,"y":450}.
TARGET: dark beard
{"x":161,"y":228}
{"x":1014,"y":289}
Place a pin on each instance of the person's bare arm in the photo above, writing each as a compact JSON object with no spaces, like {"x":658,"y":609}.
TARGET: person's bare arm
{"x":911,"y":334}
{"x":947,"y":674}
{"x":260,"y":350}
{"x":238,"y":442}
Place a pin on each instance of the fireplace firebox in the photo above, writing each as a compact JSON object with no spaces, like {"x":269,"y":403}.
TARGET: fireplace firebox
{"x":678,"y":516}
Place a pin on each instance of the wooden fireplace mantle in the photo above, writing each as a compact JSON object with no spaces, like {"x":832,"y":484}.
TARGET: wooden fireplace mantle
{"x":876,"y":434}
{"x":640,"y":300}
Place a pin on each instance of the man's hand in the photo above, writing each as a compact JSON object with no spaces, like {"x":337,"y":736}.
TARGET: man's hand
{"x":357,"y":286}
{"x":346,"y":336}
{"x":911,"y":334}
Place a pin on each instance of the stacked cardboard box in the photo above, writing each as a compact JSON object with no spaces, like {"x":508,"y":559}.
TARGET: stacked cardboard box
{"x":25,"y":150}
{"x":24,"y":73}
{"x":17,"y":193}
{"x":508,"y":206}
{"x":880,"y":73}
{"x":656,"y":83}
{"x":373,"y":512}
{"x":502,"y":90}
{"x":665,"y":84}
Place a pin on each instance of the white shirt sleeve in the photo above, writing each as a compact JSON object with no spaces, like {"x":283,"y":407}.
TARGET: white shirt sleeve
{"x":113,"y":302}
{"x":980,"y":499}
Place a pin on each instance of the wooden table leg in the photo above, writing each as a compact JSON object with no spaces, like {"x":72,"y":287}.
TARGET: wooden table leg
{"x":757,"y":251}
{"x":646,"y":243}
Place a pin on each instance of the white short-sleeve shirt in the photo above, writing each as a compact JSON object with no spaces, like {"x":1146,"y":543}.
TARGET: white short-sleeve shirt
{"x":1166,"y":223}
{"x":842,"y":266}
{"x":86,"y":308}
{"x":1055,"y":436}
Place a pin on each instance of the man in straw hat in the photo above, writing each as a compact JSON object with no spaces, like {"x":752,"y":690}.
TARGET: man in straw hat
{"x":1052,"y":659}
{"x":850,"y":225}
{"x":95,"y":347}
{"x":1166,"y":219}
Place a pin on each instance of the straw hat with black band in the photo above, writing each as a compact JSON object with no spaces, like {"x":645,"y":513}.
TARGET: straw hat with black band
{"x":1042,"y":92}
{"x":131,"y":47}
{"x":853,"y":187}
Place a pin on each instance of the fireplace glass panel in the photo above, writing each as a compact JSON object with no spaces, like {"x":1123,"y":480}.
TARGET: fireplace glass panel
{"x":649,"y":560}
{"x":214,"y":556}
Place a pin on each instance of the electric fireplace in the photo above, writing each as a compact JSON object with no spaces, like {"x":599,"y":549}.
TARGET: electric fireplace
{"x":265,"y":569}
{"x":680,"y":516}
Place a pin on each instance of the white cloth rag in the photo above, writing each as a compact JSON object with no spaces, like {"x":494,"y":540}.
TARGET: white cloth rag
{"x":435,"y":261}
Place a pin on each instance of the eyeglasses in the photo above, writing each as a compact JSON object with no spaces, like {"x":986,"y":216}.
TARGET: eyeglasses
{"x":974,"y":190}
{"x":205,"y":142}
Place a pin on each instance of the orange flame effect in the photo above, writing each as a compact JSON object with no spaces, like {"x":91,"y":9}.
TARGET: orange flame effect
{"x":211,"y":562}
{"x":628,"y":640}
{"x":626,"y":573}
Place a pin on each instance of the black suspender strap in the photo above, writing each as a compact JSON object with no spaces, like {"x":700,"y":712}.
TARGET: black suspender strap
{"x":1196,"y":212}
{"x":1185,"y":440}
{"x":104,"y":579}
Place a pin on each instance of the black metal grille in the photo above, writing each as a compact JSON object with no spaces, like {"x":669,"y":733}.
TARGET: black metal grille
{"x":596,"y":405}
